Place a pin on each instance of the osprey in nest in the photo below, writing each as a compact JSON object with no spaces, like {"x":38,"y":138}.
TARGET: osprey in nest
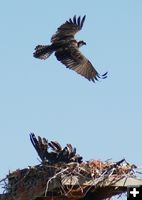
{"x":67,"y":51}
{"x":57,"y":154}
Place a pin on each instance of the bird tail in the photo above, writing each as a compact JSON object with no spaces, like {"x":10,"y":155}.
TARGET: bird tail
{"x":43,"y":51}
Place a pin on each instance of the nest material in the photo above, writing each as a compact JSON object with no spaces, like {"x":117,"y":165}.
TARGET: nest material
{"x":68,"y":180}
{"x":67,"y":177}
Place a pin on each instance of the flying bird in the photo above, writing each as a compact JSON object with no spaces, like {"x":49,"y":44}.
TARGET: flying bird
{"x":67,"y":51}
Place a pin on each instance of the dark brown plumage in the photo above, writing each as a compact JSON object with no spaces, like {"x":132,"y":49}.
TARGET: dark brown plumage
{"x":52,"y":152}
{"x":67,"y":51}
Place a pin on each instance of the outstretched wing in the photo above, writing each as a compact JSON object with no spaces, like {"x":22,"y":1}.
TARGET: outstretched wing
{"x":40,"y":145}
{"x":75,"y":60}
{"x":68,"y":29}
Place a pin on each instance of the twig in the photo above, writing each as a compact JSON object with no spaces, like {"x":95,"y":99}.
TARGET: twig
{"x":53,"y":177}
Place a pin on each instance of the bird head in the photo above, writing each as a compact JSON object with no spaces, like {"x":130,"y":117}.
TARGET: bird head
{"x":81,"y":43}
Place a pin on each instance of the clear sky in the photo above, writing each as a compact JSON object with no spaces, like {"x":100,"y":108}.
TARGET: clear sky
{"x":103,"y":120}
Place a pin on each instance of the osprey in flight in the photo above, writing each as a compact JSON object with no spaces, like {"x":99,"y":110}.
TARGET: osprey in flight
{"x":67,"y":51}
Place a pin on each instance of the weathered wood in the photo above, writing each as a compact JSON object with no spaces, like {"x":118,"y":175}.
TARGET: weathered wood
{"x":114,"y":181}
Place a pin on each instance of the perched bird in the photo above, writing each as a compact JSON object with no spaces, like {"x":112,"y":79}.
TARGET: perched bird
{"x":57,"y":154}
{"x":67,"y":51}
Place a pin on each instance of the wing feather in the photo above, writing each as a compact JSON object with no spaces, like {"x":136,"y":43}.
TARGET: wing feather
{"x":73,"y":59}
{"x":68,"y":29}
{"x":82,"y":21}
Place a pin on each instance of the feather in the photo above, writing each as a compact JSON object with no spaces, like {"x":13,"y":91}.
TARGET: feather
{"x":55,"y":146}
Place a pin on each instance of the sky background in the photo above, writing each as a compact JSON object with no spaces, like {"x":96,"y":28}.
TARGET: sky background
{"x":102,"y":120}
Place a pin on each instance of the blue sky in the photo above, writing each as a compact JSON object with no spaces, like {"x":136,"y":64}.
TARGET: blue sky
{"x":103,"y":120}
